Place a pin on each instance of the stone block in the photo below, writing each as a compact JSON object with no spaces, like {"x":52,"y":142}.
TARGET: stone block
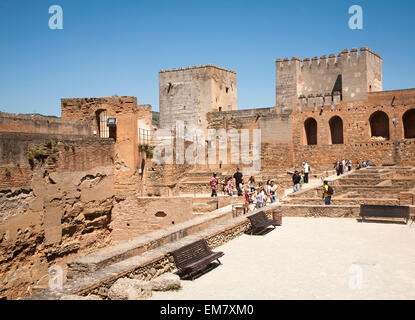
{"x":165,"y":282}
{"x":130,"y":289}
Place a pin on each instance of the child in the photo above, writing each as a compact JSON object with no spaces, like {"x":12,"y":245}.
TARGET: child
{"x":229,"y":186}
{"x":273,"y":192}
{"x":264,"y":197}
{"x":301,"y":179}
{"x":247,"y":200}
{"x":258,"y":198}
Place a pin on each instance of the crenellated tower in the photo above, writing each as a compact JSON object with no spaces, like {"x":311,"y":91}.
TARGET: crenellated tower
{"x":189,"y":93}
{"x":328,"y":80}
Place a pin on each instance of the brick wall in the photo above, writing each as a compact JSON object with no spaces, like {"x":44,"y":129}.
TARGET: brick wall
{"x":359,"y":145}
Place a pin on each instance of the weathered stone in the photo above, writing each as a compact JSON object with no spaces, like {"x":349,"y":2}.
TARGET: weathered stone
{"x":129,"y":289}
{"x":166,"y":281}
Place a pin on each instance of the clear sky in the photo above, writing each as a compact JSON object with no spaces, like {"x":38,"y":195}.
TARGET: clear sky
{"x":112,"y":47}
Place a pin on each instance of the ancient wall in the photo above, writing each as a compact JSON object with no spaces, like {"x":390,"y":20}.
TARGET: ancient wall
{"x":129,"y":115}
{"x":52,"y":206}
{"x":275,"y":128}
{"x":187,"y":94}
{"x":134,"y":217}
{"x":359,"y":144}
{"x":42,"y":124}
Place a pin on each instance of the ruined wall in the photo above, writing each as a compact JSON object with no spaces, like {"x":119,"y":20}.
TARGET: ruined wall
{"x":128,"y":114}
{"x":358,"y":144}
{"x":41,"y":124}
{"x":188,"y":94}
{"x":52,"y":207}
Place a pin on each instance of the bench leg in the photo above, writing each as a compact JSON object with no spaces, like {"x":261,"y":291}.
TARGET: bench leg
{"x":219,"y":261}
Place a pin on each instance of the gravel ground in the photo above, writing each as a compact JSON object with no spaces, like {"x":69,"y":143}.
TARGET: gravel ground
{"x":312,"y":258}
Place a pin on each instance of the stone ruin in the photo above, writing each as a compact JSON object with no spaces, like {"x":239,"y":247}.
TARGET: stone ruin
{"x":83,"y":194}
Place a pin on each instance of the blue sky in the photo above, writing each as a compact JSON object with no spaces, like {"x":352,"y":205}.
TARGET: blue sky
{"x":112,"y":47}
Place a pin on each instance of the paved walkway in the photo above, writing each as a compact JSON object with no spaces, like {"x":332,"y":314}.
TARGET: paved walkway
{"x":306,"y":258}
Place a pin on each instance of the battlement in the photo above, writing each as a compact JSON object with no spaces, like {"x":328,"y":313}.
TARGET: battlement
{"x":196,"y":67}
{"x":349,"y":76}
{"x":189,"y":93}
{"x":343,"y":58}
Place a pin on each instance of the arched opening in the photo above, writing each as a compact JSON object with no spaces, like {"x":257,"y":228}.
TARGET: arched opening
{"x":310,"y":126}
{"x":409,"y":124}
{"x":336,"y":130}
{"x":102,"y":117}
{"x":379,"y":125}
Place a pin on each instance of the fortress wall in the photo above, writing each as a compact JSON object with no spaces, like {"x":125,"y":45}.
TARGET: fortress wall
{"x":276,"y":132}
{"x":358,"y":144}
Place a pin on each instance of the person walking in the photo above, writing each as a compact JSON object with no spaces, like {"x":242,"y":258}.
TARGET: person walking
{"x":238,"y":179}
{"x":296,"y":181}
{"x":328,"y":193}
{"x":337,"y":167}
{"x":273,"y":192}
{"x":301,"y":179}
{"x":251,"y":183}
{"x":349,"y":165}
{"x":214,"y":185}
{"x":306,"y":172}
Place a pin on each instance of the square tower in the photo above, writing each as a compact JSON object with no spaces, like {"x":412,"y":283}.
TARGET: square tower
{"x":329,"y":80}
{"x":188,"y":94}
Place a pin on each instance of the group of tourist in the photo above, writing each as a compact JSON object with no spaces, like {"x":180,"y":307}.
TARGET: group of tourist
{"x":363,"y":165}
{"x":255,"y":196}
{"x":342,"y":165}
{"x":299,"y":178}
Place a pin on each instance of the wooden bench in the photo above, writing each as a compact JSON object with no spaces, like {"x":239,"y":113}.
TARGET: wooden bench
{"x":194,"y":257}
{"x":383,"y":211}
{"x":260,"y":222}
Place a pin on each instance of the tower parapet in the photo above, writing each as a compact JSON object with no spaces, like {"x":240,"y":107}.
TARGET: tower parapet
{"x":189,"y":93}
{"x":352,"y":73}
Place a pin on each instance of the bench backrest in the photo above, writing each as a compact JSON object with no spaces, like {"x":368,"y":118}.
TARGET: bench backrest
{"x":384,"y":211}
{"x":191,"y":253}
{"x":258,"y":218}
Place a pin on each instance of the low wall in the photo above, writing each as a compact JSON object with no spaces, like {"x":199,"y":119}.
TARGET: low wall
{"x":134,"y":217}
{"x":42,"y":124}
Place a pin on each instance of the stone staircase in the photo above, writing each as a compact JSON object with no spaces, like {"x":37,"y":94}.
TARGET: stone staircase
{"x":373,"y":185}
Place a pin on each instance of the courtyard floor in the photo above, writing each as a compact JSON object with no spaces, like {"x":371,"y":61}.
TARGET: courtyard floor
{"x":312,"y":258}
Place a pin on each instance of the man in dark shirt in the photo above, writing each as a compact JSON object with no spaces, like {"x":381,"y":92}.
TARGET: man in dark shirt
{"x":296,"y":181}
{"x":238,"y":179}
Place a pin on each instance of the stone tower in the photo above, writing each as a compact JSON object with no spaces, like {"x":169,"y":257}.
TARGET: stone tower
{"x":328,"y":81}
{"x":188,"y":94}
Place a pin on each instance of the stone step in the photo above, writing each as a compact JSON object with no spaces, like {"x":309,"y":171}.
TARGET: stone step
{"x":141,"y":244}
{"x":341,"y":201}
{"x":156,"y":258}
